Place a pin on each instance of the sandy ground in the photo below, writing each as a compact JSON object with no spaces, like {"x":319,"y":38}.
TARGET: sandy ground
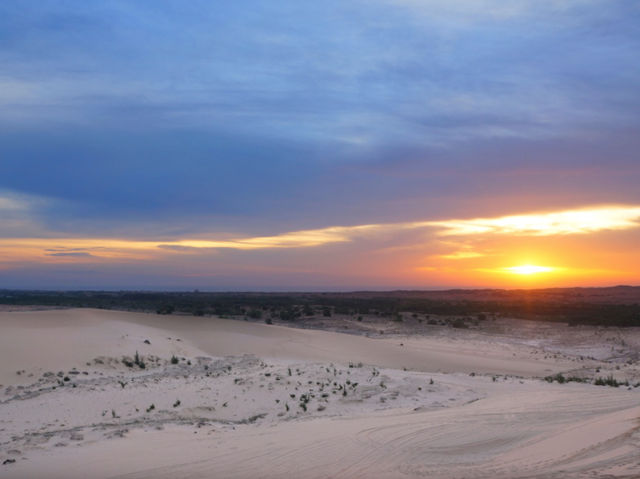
{"x":235,"y":399}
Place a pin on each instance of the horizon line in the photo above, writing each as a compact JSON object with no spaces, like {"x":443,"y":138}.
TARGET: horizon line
{"x":304,"y":291}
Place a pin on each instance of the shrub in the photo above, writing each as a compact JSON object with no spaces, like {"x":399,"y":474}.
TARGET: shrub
{"x":610,"y":381}
{"x":174,"y":359}
{"x":459,"y":323}
{"x":576,"y":379}
{"x":165,"y":309}
{"x":558,"y":378}
{"x":138,"y":361}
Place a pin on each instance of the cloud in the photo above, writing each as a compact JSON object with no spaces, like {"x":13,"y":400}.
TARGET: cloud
{"x":19,"y":214}
{"x":565,"y":222}
{"x":461,"y":255}
{"x":479,"y":10}
{"x":465,"y":11}
{"x":12,"y":202}
{"x":79,"y":254}
{"x":294,"y":239}
{"x":296,"y":99}
{"x":576,"y":221}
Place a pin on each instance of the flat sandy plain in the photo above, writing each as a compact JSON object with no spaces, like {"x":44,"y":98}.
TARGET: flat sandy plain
{"x":251,"y":400}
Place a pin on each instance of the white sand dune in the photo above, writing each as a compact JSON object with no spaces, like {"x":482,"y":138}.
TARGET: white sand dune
{"x":249,"y":400}
{"x":66,"y":338}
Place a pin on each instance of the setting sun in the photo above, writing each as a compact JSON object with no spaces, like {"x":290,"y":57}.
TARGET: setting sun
{"x":529,"y":269}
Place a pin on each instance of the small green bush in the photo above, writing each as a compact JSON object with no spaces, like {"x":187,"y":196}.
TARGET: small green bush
{"x":610,"y":381}
{"x":559,"y":378}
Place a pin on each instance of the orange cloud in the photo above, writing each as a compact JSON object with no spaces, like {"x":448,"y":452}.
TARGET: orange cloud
{"x":561,"y":223}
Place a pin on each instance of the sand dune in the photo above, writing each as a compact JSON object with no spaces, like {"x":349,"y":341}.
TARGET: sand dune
{"x":82,"y":334}
{"x":247,"y":400}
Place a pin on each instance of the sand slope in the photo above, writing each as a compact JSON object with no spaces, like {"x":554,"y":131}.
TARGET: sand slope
{"x":65,"y":338}
{"x":248,"y":400}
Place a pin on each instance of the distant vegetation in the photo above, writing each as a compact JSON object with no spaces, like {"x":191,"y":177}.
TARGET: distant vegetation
{"x":572,"y":306}
{"x":599,"y":381}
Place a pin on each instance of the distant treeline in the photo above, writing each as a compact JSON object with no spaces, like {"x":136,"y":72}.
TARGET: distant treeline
{"x":292,"y":306}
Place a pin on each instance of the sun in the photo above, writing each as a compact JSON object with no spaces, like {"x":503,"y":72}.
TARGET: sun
{"x":528,"y":269}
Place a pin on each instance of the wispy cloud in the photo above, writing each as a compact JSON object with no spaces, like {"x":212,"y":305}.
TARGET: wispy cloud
{"x":462,"y":255}
{"x":10,"y":202}
{"x":576,"y":221}
{"x":565,"y":222}
{"x":18,"y":214}
{"x":294,"y":239}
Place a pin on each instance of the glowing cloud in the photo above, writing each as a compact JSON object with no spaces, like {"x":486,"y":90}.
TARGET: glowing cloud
{"x":294,"y":239}
{"x":462,"y":255}
{"x":60,"y":249}
{"x":579,"y":221}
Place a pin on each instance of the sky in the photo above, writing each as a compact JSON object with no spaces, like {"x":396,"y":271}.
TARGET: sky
{"x":337,"y":145}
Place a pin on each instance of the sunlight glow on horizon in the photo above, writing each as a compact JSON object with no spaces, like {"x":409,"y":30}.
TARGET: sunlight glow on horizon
{"x":473,"y":251}
{"x":528,"y":269}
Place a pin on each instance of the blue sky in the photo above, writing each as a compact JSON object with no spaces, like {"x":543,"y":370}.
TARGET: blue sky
{"x":163,"y":120}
